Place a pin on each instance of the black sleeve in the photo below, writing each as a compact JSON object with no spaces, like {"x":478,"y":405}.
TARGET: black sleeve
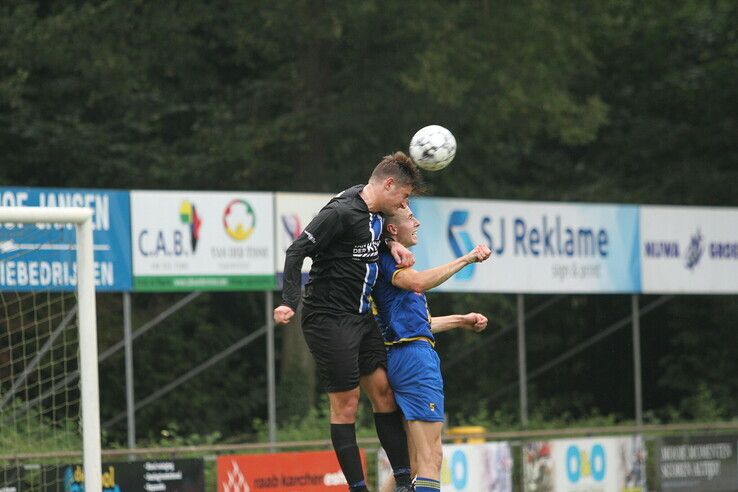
{"x":316,"y":236}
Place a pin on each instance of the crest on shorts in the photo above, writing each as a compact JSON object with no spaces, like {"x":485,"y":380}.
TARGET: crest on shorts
{"x":432,"y":406}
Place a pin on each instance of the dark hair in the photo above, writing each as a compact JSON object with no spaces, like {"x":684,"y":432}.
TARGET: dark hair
{"x":401,"y":167}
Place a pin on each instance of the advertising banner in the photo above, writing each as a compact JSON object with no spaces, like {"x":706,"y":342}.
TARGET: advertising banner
{"x":42,"y":257}
{"x":191,"y":240}
{"x":536,"y":247}
{"x":467,"y":467}
{"x":689,"y":250}
{"x":184,"y":475}
{"x":612,"y":464}
{"x":293,"y":212}
{"x":698,"y":463}
{"x":314,"y":471}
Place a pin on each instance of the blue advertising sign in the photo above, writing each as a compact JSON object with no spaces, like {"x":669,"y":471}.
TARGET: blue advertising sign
{"x":42,"y":257}
{"x":537,"y":247}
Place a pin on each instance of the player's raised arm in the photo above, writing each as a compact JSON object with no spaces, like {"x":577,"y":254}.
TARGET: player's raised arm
{"x":423,"y":280}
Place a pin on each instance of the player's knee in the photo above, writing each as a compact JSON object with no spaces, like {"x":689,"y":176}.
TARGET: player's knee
{"x":385,"y":398}
{"x":349,"y":407}
{"x":345,"y":409}
{"x":382,"y":396}
{"x":382,"y":387}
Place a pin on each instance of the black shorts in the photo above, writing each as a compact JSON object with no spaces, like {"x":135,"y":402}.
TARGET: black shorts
{"x":344,"y":346}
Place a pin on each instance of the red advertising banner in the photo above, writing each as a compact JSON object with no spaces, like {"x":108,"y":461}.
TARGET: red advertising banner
{"x":314,"y":471}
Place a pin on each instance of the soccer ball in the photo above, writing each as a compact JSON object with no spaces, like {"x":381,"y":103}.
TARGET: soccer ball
{"x":433,"y":147}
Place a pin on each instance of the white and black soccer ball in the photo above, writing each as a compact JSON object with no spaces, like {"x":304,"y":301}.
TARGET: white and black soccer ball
{"x":433,"y":147}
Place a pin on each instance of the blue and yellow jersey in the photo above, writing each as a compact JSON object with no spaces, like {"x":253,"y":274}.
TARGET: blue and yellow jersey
{"x":402,"y":314}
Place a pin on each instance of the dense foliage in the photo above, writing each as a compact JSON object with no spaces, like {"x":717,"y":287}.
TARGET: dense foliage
{"x":623,"y":101}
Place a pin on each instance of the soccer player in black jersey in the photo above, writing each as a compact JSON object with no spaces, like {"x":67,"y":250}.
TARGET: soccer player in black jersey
{"x":343,"y":241}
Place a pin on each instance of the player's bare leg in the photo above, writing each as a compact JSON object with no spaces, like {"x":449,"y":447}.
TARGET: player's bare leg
{"x":388,"y":421}
{"x":376,"y":387}
{"x":344,"y":405}
{"x":426,"y":438}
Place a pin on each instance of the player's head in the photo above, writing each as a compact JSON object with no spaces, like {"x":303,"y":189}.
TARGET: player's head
{"x":395,"y":178}
{"x":403,"y":227}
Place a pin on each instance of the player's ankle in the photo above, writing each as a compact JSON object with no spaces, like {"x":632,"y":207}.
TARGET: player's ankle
{"x":358,"y":487}
{"x":402,"y":477}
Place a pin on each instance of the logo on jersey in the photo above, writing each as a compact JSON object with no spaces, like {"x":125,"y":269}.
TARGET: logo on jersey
{"x":368,"y":250}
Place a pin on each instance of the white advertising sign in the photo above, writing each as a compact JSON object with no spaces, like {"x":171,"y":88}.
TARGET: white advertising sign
{"x":689,"y":250}
{"x":191,"y":240}
{"x":293,"y":212}
{"x":536,"y":247}
{"x":468,"y":467}
{"x":609,"y":464}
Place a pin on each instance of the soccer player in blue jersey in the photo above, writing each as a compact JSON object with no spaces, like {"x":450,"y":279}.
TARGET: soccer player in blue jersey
{"x":413,"y":366}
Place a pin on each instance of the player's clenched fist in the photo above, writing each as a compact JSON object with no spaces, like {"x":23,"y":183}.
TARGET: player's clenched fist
{"x":283,"y":314}
{"x":475,"y":321}
{"x":478,"y":254}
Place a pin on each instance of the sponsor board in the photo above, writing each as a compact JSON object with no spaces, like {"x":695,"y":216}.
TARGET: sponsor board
{"x":190,"y":240}
{"x":42,"y":257}
{"x":282,"y":472}
{"x":185,"y":475}
{"x":698,"y":463}
{"x":689,"y":250}
{"x":536,"y":247}
{"x":612,"y":464}
{"x":294,"y":211}
{"x":467,"y":467}
{"x":184,"y":241}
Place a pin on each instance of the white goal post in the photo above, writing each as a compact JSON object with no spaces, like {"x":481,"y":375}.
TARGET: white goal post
{"x":90,"y":404}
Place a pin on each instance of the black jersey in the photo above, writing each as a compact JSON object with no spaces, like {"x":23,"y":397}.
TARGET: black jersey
{"x":343,"y":241}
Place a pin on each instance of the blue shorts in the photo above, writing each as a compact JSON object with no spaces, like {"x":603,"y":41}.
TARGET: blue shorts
{"x":414,"y":372}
